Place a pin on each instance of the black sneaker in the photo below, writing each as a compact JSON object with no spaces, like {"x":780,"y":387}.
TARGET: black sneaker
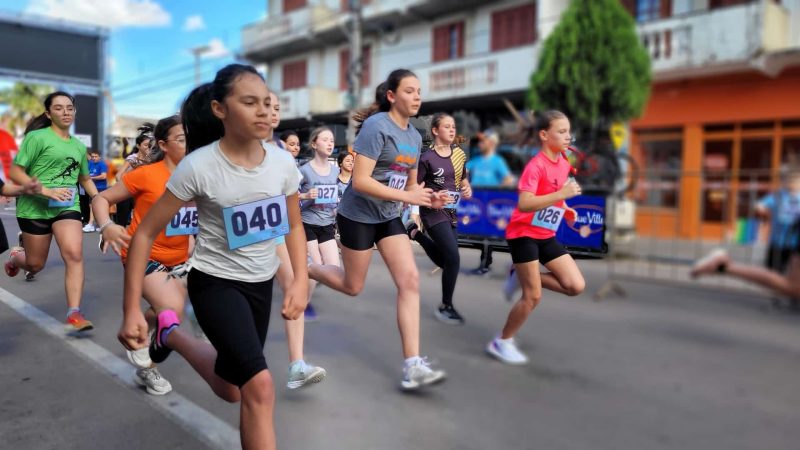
{"x":448,"y":314}
{"x":410,"y":230}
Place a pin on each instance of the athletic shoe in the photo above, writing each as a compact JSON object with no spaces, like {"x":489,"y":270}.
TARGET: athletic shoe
{"x":11,"y":269}
{"x":140,"y":358}
{"x":19,"y":238}
{"x":302,"y":374}
{"x":152,"y":381}
{"x":89,"y":228}
{"x":448,"y":314}
{"x":167,"y":321}
{"x":481,"y":271}
{"x":30,"y":276}
{"x":76,"y":322}
{"x":506,"y":351}
{"x":715,"y":261}
{"x":511,"y":285}
{"x":420,"y":374}
{"x":310,"y":314}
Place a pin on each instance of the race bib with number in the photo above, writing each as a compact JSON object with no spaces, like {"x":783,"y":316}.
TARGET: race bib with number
{"x":398,"y":181}
{"x":328,"y":193}
{"x":549,"y":218}
{"x":456,"y":196}
{"x":257,"y":221}
{"x":184,"y":223}
{"x":59,"y":204}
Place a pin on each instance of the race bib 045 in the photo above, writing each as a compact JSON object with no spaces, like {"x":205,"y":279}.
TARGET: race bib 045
{"x":184,"y":222}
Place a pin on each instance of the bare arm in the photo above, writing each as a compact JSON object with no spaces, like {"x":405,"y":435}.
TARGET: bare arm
{"x":112,"y":234}
{"x":362,"y":181}
{"x":529,"y":202}
{"x":296,"y":296}
{"x":88,"y":185}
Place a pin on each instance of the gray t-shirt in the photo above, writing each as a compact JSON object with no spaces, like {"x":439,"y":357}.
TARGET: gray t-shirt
{"x":209,"y":178}
{"x":395,"y":151}
{"x":313,"y":211}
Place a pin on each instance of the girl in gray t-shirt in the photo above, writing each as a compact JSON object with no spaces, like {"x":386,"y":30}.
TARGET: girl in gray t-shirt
{"x":387,"y":149}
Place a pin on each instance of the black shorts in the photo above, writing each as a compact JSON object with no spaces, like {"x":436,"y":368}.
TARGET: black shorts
{"x":234,"y":315}
{"x":45,"y":226}
{"x":778,"y":258}
{"x":319,"y":233}
{"x":524,"y":250}
{"x":362,"y":236}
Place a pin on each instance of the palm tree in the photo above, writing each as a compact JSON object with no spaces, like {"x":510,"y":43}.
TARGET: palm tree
{"x":24,"y":102}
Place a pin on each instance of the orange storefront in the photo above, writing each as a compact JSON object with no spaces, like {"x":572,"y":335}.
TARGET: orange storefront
{"x":708,"y":147}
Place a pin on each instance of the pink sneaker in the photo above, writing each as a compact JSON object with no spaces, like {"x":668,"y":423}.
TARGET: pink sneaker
{"x":11,"y":269}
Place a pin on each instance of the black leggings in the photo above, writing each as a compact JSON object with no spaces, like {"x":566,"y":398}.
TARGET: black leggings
{"x":123,"y":216}
{"x":442,"y":248}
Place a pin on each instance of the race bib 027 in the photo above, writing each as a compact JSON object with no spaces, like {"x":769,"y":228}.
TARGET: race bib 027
{"x":257,"y":221}
{"x":327,"y":194}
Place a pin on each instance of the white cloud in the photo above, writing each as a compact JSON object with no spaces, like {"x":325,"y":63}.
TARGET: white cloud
{"x":107,"y":13}
{"x":194,"y":23}
{"x":216,"y":49}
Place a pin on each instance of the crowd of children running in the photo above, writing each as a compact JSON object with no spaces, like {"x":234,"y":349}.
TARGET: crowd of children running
{"x":211,"y":205}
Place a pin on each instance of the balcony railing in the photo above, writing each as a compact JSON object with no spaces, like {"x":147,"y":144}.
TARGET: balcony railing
{"x":705,"y":41}
{"x":285,"y":29}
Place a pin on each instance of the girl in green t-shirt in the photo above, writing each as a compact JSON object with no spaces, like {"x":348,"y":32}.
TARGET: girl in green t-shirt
{"x":59,"y":161}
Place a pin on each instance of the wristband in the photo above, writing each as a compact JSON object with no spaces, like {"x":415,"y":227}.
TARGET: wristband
{"x":103,"y":226}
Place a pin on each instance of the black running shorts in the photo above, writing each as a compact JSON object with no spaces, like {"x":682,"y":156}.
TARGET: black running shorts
{"x":524,"y":250}
{"x":319,"y":233}
{"x":362,"y":236}
{"x":234,"y":315}
{"x":45,"y":226}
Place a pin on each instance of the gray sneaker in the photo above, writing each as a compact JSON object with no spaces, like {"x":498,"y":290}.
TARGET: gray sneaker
{"x":302,"y":374}
{"x":152,"y":380}
{"x":140,"y":358}
{"x":420,"y":374}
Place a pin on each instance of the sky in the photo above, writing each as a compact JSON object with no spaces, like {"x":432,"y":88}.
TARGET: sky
{"x":150,"y":64}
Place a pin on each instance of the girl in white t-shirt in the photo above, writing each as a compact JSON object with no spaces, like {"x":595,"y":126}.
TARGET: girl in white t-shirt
{"x":246,"y":195}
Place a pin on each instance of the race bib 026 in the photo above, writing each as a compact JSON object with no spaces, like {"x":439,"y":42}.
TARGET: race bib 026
{"x":327,"y":194}
{"x":184,"y":222}
{"x":257,"y":221}
{"x":549,"y":218}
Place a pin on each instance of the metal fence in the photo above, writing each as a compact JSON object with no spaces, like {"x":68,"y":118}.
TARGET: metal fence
{"x":673,"y":218}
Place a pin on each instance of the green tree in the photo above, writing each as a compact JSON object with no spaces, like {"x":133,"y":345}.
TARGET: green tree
{"x":593,"y":68}
{"x":24,"y":102}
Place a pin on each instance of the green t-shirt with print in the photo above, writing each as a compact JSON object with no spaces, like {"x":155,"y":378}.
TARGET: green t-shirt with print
{"x":56,"y":162}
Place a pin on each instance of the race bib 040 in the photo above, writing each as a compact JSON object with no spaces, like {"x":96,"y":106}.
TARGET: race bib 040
{"x":549,"y":218}
{"x":257,"y":221}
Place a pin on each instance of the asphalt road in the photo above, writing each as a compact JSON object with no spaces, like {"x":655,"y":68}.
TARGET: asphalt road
{"x":663,"y":368}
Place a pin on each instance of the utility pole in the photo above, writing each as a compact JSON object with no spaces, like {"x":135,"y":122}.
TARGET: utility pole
{"x":198,"y":52}
{"x":354,"y":69}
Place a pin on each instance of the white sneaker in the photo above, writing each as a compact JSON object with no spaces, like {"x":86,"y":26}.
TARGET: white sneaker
{"x":302,"y":374}
{"x":420,"y":374}
{"x":140,"y":358}
{"x":89,"y":228}
{"x":152,"y":380}
{"x":506,"y":351}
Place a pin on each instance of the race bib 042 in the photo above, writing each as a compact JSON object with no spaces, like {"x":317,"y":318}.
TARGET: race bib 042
{"x":398,"y":181}
{"x":257,"y":221}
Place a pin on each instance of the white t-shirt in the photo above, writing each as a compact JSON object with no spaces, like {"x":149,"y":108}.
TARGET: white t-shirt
{"x":214,"y":183}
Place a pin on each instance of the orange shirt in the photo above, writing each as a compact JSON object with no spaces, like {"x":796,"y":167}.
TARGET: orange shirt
{"x":146,"y":184}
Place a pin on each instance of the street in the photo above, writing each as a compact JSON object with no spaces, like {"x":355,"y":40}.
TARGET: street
{"x":665,"y":367}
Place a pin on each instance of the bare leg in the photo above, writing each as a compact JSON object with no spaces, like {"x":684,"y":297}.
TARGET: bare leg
{"x":530,"y":280}
{"x":258,"y":403}
{"x":564,"y":277}
{"x":202,"y":356}
{"x":295,"y":329}
{"x":396,"y":252}
{"x":69,"y":237}
{"x":37,"y":247}
{"x":348,"y":279}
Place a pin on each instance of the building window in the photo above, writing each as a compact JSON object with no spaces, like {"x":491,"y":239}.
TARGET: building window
{"x":448,"y":42}
{"x":514,"y":27}
{"x":644,"y":10}
{"x":344,"y":66}
{"x":294,"y":75}
{"x":723,"y":3}
{"x":345,"y":4}
{"x":291,"y":5}
{"x":660,"y":185}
